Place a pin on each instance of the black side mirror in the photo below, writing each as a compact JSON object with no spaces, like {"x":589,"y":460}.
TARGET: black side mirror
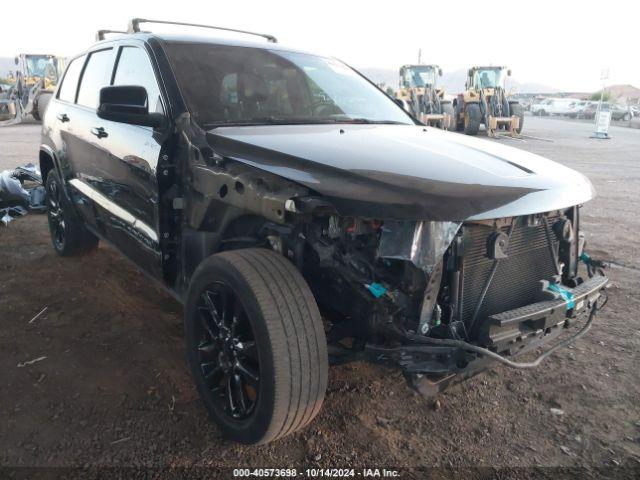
{"x":128,"y":104}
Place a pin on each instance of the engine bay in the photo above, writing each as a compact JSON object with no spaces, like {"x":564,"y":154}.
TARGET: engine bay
{"x":442,"y":287}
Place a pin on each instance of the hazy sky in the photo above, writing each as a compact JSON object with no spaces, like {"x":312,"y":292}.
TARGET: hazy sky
{"x":563,"y":44}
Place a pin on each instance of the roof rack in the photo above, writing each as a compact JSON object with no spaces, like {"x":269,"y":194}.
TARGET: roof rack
{"x":134,"y":27}
{"x":101,"y":33}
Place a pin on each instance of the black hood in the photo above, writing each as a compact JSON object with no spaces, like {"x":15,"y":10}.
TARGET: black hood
{"x":406,"y":172}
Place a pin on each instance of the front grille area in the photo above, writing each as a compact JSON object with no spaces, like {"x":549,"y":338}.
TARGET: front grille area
{"x":516,"y":281}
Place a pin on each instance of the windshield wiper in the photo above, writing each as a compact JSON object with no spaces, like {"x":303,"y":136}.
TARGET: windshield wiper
{"x":274,"y":120}
{"x":368,"y":121}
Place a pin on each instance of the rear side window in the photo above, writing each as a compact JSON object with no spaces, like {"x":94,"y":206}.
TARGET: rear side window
{"x":134,"y":68}
{"x":69,"y":85}
{"x":97,"y":74}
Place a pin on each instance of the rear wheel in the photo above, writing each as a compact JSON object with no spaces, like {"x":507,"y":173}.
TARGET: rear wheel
{"x":517,"y":110}
{"x":255,"y":344}
{"x":459,"y":126}
{"x":447,"y":108}
{"x":68,"y":234}
{"x":472,"y":119}
{"x":43,"y":103}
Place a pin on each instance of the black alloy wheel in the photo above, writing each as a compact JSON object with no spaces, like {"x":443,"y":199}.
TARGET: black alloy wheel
{"x":227,"y":352}
{"x":69,"y":235}
{"x":55,"y":215}
{"x":256,"y":345}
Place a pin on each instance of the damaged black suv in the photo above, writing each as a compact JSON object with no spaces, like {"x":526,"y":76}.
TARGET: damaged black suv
{"x":304,"y":218}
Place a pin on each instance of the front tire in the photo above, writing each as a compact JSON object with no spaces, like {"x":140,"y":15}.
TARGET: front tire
{"x":69,"y":236}
{"x":472,"y":119}
{"x":255,"y":344}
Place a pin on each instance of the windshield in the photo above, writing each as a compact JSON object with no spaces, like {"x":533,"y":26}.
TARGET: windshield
{"x":419,"y":76}
{"x":233,"y":85}
{"x":489,"y":78}
{"x":44,"y":66}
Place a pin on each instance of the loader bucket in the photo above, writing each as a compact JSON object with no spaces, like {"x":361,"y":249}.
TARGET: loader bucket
{"x":512,"y":123}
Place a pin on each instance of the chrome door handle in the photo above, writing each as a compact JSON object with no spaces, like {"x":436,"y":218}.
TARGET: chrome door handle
{"x":99,"y":132}
{"x":63,"y":117}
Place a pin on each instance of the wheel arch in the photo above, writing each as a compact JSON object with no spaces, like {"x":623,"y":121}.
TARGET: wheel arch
{"x":237,"y":229}
{"x":48,"y":162}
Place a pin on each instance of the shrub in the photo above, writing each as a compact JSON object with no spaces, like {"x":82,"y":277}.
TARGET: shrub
{"x":606,"y":96}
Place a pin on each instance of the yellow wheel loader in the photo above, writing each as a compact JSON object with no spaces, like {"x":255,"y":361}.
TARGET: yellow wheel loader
{"x":485,"y":101}
{"x":421,"y":96}
{"x":31,"y":87}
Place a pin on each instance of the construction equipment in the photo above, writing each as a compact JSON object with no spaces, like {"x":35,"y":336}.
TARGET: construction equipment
{"x":30,"y":88}
{"x":485,"y":101}
{"x":422,"y":98}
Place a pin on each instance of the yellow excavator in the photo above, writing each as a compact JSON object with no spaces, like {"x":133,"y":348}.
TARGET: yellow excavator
{"x":30,"y":87}
{"x":485,"y":101}
{"x":420,"y":95}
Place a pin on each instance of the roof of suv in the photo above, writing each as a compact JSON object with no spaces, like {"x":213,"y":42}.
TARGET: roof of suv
{"x":205,"y":39}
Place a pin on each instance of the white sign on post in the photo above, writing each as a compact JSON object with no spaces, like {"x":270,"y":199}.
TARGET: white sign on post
{"x":602,"y":122}
{"x":602,"y":118}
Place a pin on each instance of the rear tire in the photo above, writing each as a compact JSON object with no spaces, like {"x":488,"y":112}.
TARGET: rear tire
{"x":518,"y":111}
{"x":447,"y":108}
{"x":472,"y":118}
{"x":459,"y":126}
{"x":282,"y":386}
{"x":69,"y":236}
{"x":43,"y":103}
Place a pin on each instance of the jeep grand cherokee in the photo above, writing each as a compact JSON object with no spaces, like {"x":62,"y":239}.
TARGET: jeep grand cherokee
{"x":302,"y":217}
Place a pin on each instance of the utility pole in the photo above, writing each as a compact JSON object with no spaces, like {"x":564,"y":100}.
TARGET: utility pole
{"x":602,"y":119}
{"x":604,"y":75}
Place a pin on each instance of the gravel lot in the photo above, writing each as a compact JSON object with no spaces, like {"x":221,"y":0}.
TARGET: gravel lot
{"x":114,"y":388}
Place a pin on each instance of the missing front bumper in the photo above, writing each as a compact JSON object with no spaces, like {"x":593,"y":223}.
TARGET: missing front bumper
{"x":430,"y":367}
{"x":512,"y":331}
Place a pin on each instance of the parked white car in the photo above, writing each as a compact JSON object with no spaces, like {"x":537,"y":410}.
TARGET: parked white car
{"x":577,"y":109}
{"x":554,"y":106}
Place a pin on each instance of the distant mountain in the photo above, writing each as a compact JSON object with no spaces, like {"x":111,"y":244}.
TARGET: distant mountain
{"x":624,"y":92}
{"x":453,"y":82}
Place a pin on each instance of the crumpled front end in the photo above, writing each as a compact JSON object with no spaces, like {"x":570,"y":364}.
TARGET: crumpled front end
{"x":442,"y":300}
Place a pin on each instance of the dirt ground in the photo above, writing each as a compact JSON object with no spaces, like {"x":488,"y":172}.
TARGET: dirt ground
{"x":113,"y":388}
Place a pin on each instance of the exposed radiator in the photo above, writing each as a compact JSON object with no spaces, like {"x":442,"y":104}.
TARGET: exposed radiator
{"x":516,"y":281}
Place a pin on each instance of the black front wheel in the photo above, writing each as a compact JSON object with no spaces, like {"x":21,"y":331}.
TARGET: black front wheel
{"x":255,"y":344}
